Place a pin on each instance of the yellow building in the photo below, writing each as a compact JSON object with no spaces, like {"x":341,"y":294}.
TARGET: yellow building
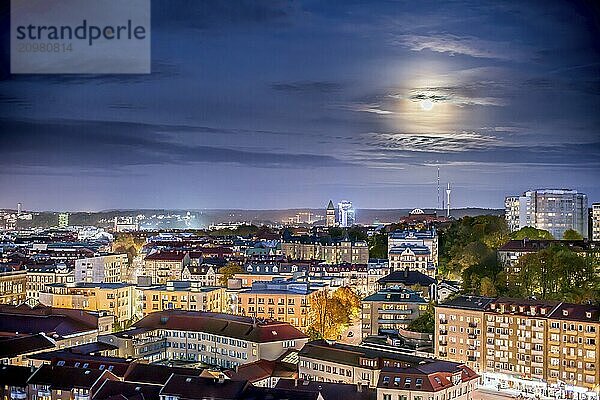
{"x":280,"y":300}
{"x":13,"y":285}
{"x":118,"y":299}
{"x":180,"y":295}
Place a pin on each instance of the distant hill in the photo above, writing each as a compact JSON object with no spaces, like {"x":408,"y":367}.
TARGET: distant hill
{"x":203,"y":218}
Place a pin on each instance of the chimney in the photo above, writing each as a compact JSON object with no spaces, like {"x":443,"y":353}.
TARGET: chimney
{"x":296,"y":382}
{"x":359,"y":387}
{"x":221,"y":378}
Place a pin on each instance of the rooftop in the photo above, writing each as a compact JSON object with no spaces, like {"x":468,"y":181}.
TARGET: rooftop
{"x":234,"y":326}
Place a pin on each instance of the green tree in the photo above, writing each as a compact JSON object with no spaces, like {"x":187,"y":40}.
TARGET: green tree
{"x":227,"y":272}
{"x":378,"y":246}
{"x":529,"y":232}
{"x":424,"y":323}
{"x":571,"y":234}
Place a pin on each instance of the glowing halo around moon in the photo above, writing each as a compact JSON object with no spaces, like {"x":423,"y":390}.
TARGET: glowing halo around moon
{"x":426,"y":104}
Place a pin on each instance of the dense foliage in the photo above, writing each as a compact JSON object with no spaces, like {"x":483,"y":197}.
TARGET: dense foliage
{"x":424,"y":323}
{"x":468,"y":252}
{"x":556,"y":273}
{"x":227,"y":272}
{"x":378,"y":245}
{"x":332,"y":312}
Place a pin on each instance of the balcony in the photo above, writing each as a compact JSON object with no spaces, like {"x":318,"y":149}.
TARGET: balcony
{"x":471,"y":358}
{"x":402,"y":312}
{"x":472,"y":324}
{"x":443,"y":331}
{"x":44,"y":393}
{"x":472,"y":336}
{"x":82,"y":397}
{"x":443,"y":321}
{"x":443,"y":354}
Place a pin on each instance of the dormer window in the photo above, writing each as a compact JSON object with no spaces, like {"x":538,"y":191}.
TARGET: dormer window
{"x":565,"y":313}
{"x":588,"y":314}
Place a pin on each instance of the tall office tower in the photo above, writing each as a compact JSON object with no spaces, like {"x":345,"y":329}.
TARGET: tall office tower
{"x":554,"y":210}
{"x":330,"y":214}
{"x":596,"y":222}
{"x":346,"y":212}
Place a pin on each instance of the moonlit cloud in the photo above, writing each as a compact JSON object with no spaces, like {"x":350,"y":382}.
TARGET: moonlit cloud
{"x":459,"y":45}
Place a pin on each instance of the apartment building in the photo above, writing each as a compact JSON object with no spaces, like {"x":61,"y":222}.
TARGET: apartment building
{"x":40,"y":275}
{"x":325,"y":249}
{"x":13,"y":285}
{"x":104,"y":268}
{"x":163,"y":266}
{"x":435,"y":381}
{"x":118,"y":299}
{"x":554,"y":210}
{"x":545,"y":347}
{"x":214,"y":339}
{"x":286,"y":301}
{"x":459,"y":325}
{"x":181,"y":295}
{"x":329,"y":361}
{"x":390,"y":311}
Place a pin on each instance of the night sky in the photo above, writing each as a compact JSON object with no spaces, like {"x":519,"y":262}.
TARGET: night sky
{"x":279,"y":105}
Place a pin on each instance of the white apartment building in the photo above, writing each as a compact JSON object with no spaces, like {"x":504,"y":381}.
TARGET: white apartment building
{"x":104,"y":268}
{"x":554,"y":210}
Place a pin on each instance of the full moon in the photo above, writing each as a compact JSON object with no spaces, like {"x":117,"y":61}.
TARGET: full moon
{"x":426,"y":105}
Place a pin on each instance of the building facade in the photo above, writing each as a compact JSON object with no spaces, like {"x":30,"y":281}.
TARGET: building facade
{"x":13,"y":285}
{"x":596,"y":222}
{"x":547,"y":348}
{"x":330,"y":214}
{"x":220,"y":340}
{"x":390,"y":311}
{"x":117,"y":299}
{"x":105,"y":268}
{"x":38,"y":276}
{"x":415,"y":250}
{"x":331,"y":252}
{"x":279,"y":300}
{"x":181,"y":295}
{"x":554,"y":210}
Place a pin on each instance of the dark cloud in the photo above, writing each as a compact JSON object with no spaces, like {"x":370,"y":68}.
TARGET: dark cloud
{"x":308,"y":87}
{"x":106,"y":144}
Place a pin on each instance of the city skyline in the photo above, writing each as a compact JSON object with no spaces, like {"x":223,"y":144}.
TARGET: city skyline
{"x":276,"y":105}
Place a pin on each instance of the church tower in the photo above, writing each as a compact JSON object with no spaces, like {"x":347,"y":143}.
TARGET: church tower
{"x":330,"y":221}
